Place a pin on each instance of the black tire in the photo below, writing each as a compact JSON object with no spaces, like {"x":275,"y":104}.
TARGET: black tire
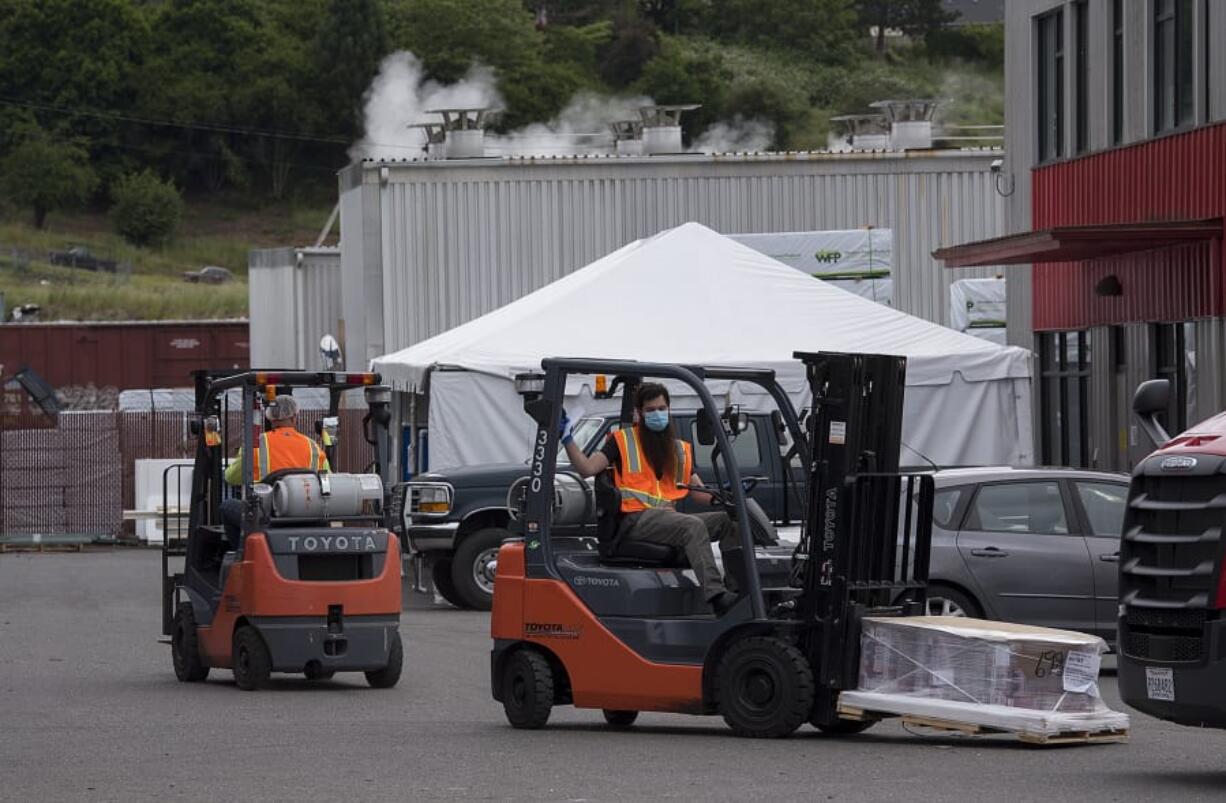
{"x":844,"y":727}
{"x":620,"y":719}
{"x":389,"y":676}
{"x":469,"y":565}
{"x":764,"y":687}
{"x":953,"y":602}
{"x":252,"y":661}
{"x":440,"y":575}
{"x":185,"y":647}
{"x":527,"y":689}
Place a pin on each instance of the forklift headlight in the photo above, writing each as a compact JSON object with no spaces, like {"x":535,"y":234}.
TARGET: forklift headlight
{"x":429,"y":499}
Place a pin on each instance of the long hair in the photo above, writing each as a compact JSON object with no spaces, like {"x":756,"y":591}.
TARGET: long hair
{"x":659,"y":448}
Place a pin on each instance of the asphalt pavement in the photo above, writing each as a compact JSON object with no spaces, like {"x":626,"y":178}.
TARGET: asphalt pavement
{"x":90,"y":710}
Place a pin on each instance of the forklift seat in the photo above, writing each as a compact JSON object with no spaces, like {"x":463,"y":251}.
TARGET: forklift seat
{"x":617,"y":551}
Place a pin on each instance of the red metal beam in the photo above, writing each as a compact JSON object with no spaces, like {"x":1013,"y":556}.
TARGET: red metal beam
{"x":1077,"y":243}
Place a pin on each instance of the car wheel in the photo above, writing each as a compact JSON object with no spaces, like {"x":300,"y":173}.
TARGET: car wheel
{"x":474,"y":564}
{"x":185,"y":647}
{"x":947,"y":601}
{"x":440,"y":575}
{"x":765,"y":687}
{"x":527,"y":689}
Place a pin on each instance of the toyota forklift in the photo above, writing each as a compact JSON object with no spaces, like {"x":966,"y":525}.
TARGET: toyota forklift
{"x":625,"y":628}
{"x":313,"y":586}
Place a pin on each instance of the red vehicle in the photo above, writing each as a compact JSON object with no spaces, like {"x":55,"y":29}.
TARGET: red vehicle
{"x":1172,"y":627}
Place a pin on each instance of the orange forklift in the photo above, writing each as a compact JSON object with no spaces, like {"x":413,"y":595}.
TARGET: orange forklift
{"x":624,"y":627}
{"x":313,"y":586}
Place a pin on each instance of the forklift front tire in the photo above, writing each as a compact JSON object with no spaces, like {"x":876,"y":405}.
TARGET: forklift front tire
{"x":527,"y":689}
{"x":185,"y":647}
{"x":389,"y":675}
{"x":765,"y":687}
{"x":252,"y":662}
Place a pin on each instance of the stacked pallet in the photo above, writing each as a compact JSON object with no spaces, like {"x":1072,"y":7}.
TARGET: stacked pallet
{"x":975,"y":676}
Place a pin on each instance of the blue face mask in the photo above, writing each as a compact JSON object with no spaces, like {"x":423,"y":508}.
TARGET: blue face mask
{"x":656,"y":420}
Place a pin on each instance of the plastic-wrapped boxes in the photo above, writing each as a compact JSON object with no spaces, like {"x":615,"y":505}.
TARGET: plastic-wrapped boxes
{"x":992,"y":674}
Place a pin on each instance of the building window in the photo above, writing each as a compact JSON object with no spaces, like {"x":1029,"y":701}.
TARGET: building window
{"x":1169,"y":347}
{"x":1050,"y":31}
{"x":1174,"y":104}
{"x":1081,"y":71}
{"x":1064,"y":391}
{"x":1117,"y":72}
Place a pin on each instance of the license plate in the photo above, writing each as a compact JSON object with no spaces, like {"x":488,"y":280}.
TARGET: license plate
{"x":1160,"y":683}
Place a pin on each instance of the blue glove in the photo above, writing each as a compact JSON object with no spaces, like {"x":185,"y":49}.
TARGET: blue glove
{"x":564,"y":429}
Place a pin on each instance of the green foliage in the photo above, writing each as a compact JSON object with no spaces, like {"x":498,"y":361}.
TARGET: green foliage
{"x":682,"y":75}
{"x":983,"y":44}
{"x":450,"y":35}
{"x":821,"y":30}
{"x":147,"y":210}
{"x":43,"y":173}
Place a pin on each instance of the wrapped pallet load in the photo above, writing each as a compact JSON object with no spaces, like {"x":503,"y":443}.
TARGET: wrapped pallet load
{"x":992,"y":676}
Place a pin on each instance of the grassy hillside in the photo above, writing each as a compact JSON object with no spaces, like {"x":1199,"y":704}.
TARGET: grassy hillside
{"x":150,"y":284}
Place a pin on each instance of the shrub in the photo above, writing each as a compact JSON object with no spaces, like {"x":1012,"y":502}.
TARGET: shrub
{"x":147,"y":210}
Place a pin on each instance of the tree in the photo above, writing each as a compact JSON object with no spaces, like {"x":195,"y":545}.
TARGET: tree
{"x":147,"y":210}
{"x":348,"y":48}
{"x":678,"y":76}
{"x":450,"y":35}
{"x":912,"y":17}
{"x":44,"y":173}
{"x":820,"y":30}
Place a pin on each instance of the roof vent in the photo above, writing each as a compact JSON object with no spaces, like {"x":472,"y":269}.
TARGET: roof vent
{"x":910,"y":122}
{"x":436,"y":136}
{"x":863,"y":132}
{"x":464,"y":132}
{"x":662,"y":128}
{"x":627,"y":137}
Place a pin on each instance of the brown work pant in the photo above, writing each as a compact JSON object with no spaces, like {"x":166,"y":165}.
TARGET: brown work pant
{"x":690,"y":532}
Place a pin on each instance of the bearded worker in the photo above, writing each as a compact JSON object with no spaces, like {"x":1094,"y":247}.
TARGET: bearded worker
{"x":650,"y":465}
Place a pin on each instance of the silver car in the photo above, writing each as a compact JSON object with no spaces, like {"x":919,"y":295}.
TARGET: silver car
{"x":1036,"y":546}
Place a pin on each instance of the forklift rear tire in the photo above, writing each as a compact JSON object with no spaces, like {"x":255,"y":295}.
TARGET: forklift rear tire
{"x":252,"y":662}
{"x":389,"y":675}
{"x":527,"y":689}
{"x":620,"y":719}
{"x":440,"y":575}
{"x":470,"y":567}
{"x":765,"y":687}
{"x":185,"y":647}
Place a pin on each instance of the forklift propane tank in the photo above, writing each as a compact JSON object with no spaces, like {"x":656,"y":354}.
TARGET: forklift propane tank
{"x":573,"y":499}
{"x":307,"y":496}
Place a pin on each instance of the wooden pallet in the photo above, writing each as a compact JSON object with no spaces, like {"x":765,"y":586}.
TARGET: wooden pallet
{"x":973,"y":729}
{"x":5,"y":548}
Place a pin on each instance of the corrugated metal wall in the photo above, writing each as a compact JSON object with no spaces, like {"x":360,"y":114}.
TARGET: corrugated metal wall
{"x":460,"y":239}
{"x":1180,"y":177}
{"x":295,"y":300}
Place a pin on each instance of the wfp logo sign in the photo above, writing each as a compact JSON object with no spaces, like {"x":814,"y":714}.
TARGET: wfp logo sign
{"x":828,"y":257}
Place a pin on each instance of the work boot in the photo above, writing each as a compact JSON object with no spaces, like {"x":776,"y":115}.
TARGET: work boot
{"x":722,"y":603}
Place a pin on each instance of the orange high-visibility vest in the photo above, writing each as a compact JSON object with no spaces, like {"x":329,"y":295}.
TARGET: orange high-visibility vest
{"x":636,"y":480}
{"x":286,"y":447}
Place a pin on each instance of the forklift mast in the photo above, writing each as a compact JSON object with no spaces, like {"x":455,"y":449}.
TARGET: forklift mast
{"x":864,"y":547}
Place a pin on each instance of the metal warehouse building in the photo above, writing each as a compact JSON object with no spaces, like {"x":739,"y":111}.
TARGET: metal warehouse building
{"x":428,"y":245}
{"x":1116,"y":170}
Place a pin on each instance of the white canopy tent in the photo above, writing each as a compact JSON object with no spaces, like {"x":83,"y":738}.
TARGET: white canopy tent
{"x":690,"y":295}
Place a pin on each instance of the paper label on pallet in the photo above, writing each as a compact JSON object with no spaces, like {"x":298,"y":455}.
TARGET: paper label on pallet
{"x":838,"y":432}
{"x":1081,"y":670}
